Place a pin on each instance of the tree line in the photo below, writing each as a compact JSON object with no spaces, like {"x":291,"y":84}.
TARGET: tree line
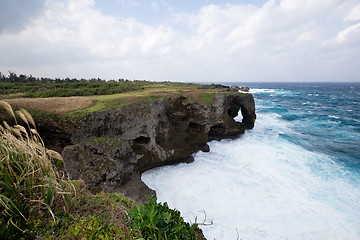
{"x":14,"y":85}
{"x":22,"y":78}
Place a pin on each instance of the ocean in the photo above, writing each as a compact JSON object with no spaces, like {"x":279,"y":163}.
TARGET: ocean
{"x":295,"y":175}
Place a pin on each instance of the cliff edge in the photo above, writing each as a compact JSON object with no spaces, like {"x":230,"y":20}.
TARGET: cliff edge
{"x":109,"y":150}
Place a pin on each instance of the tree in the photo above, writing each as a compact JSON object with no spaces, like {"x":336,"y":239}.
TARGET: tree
{"x":12,"y":77}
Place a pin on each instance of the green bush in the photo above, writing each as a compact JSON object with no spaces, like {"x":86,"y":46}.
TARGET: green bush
{"x":158,"y":221}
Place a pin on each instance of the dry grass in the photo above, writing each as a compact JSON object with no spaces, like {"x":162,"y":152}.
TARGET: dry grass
{"x":30,"y":185}
{"x":58,"y":105}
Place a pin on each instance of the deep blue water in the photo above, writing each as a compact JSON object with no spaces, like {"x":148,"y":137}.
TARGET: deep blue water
{"x":296,"y":175}
{"x":325,"y":116}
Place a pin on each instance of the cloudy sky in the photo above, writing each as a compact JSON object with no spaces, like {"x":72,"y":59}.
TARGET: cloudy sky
{"x":187,"y":40}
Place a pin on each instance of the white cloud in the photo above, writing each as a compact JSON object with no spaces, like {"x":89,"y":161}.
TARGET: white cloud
{"x":103,"y":36}
{"x":353,"y":15}
{"x":219,"y":42}
{"x":348,"y":36}
{"x":307,"y":36}
{"x":351,"y":35}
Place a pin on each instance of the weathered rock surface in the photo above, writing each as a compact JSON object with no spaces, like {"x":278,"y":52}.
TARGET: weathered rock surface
{"x":106,"y":164}
{"x":110,"y":149}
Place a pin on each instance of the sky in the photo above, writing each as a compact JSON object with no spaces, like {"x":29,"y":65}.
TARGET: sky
{"x":187,"y":40}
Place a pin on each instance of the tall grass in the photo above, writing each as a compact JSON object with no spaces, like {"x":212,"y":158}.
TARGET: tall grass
{"x":30,"y":185}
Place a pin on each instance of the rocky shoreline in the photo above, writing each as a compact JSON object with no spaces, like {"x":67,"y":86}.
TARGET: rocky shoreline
{"x":109,"y":150}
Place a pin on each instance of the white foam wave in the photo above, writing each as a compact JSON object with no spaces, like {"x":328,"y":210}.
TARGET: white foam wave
{"x":272,"y":92}
{"x":261,"y":90}
{"x":264,"y":187}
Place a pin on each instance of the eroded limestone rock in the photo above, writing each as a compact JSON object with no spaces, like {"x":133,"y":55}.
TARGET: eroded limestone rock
{"x":147,"y":135}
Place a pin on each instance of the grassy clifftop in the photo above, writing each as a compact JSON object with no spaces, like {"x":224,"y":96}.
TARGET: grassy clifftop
{"x":77,"y":98}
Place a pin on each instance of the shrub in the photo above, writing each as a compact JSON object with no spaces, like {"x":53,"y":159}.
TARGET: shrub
{"x":158,"y":221}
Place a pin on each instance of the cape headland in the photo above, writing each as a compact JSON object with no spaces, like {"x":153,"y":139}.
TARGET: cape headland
{"x":109,"y":143}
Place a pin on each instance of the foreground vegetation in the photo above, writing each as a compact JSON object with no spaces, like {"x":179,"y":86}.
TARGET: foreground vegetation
{"x":37,"y":201}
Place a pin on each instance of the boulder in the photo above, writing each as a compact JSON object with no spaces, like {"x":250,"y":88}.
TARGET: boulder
{"x":204,"y":148}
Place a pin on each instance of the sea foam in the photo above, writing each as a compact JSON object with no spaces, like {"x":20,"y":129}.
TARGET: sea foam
{"x":262,"y":186}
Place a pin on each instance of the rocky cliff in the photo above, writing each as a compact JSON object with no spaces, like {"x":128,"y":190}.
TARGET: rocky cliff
{"x":109,"y":150}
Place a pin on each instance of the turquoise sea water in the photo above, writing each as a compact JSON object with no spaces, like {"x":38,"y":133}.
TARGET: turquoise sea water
{"x":296,"y":175}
